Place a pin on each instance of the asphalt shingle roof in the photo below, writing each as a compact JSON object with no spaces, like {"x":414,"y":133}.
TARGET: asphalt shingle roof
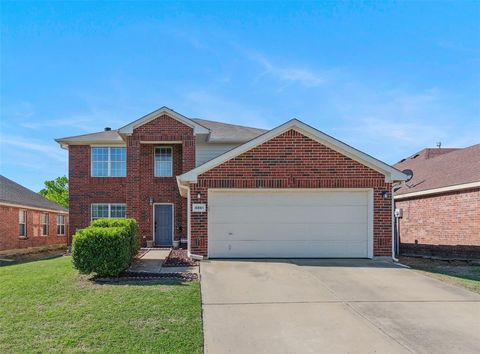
{"x":219,"y":133}
{"x":110,"y":136}
{"x":229,"y":133}
{"x":436,"y":168}
{"x":13,"y":193}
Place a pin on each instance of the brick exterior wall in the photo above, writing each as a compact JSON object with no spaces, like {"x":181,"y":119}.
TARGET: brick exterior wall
{"x":293,"y":160}
{"x":9,"y":229}
{"x":445,"y":224}
{"x":140,"y":184}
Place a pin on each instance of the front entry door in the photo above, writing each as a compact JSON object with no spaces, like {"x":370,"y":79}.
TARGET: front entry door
{"x":163,"y":224}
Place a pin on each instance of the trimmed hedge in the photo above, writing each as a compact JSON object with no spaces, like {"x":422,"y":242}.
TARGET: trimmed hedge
{"x":107,"y":247}
{"x":130,"y":224}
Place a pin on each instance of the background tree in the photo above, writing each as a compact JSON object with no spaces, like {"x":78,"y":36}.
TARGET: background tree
{"x":56,"y":191}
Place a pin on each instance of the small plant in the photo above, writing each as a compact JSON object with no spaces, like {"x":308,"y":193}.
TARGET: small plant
{"x":107,"y":247}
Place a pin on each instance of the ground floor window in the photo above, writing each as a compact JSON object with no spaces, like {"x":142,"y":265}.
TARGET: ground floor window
{"x":44,"y":219}
{"x":22,"y":223}
{"x":109,"y":211}
{"x":60,"y":224}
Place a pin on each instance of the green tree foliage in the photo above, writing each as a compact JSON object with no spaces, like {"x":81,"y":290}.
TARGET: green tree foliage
{"x":57,"y":191}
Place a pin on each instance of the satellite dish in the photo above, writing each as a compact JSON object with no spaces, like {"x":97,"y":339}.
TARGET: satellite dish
{"x":409,"y":174}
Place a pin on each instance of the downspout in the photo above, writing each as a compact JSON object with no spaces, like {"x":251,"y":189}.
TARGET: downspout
{"x":189,"y":225}
{"x":393,"y":229}
{"x":188,"y":221}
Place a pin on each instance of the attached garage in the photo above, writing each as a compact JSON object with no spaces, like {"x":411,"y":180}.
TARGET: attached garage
{"x":333,"y":223}
{"x":293,"y":192}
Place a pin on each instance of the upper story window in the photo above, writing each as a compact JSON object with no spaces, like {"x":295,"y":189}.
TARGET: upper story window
{"x":163,"y":162}
{"x":60,"y":224}
{"x":22,"y":223}
{"x":44,"y":220}
{"x":109,"y":211}
{"x":109,"y":161}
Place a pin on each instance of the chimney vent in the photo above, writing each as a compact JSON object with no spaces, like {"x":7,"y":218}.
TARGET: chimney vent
{"x":107,"y":129}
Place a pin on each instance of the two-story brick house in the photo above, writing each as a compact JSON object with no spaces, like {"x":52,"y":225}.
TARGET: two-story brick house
{"x":233,"y":191}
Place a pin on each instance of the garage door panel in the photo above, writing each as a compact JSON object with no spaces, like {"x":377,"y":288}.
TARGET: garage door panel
{"x":299,"y":198}
{"x":288,"y":214}
{"x":289,"y":223}
{"x":282,"y":249}
{"x":294,"y":232}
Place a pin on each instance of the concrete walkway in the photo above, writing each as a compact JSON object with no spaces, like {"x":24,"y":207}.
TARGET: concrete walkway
{"x":152,"y":262}
{"x":333,"y":306}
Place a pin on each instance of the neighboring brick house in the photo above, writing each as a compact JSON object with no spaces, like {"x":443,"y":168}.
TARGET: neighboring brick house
{"x":28,"y":220}
{"x":233,"y":191}
{"x":440,"y":205}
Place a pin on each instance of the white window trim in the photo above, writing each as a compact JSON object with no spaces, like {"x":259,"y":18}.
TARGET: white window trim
{"x":42,"y":223}
{"x":64,"y":225}
{"x":24,"y":223}
{"x":109,"y":210}
{"x":155,"y":161}
{"x":109,"y":161}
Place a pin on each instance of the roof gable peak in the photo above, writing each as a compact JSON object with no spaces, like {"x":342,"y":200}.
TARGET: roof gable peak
{"x":391,"y":174}
{"x":197,"y":128}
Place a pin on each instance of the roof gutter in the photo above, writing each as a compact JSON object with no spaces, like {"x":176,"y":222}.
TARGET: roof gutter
{"x":439,"y":190}
{"x":31,"y":207}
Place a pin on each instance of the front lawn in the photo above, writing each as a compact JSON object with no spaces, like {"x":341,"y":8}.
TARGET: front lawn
{"x":454,"y":272}
{"x":46,"y":306}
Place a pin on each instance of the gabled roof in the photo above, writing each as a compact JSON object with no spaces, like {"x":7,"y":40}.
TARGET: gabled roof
{"x":15,"y":194}
{"x":391,"y":174}
{"x":439,"y":168}
{"x":229,"y":133}
{"x":215,"y":132}
{"x":197,"y":128}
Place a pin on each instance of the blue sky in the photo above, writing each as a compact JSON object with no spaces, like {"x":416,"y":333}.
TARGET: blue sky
{"x":386,"y":77}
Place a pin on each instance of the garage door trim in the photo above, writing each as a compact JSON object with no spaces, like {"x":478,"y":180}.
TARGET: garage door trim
{"x":370,"y":209}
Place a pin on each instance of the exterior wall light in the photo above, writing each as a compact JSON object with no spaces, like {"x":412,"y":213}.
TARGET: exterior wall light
{"x":385,"y":195}
{"x":150,"y":200}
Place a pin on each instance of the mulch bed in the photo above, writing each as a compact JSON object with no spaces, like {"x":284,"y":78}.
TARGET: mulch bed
{"x":179,"y":258}
{"x":136,"y":276}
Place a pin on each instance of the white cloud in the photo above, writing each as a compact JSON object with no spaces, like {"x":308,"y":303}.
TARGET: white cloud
{"x":51,"y":151}
{"x":286,"y":74}
{"x":82,"y":123}
{"x":208,"y":105}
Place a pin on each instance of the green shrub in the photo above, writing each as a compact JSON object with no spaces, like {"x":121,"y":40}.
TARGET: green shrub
{"x":130,"y":224}
{"x":106,"y":247}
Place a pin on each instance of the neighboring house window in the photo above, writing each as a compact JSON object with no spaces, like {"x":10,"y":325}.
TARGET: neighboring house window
{"x":22,"y":223}
{"x":60,"y":224}
{"x":109,"y":161}
{"x":109,"y":211}
{"x":44,"y":224}
{"x":163,"y":162}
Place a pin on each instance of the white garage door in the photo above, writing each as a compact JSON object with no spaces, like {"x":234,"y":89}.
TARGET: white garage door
{"x":333,"y":223}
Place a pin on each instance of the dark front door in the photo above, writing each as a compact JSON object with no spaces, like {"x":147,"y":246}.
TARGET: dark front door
{"x":163,"y":225}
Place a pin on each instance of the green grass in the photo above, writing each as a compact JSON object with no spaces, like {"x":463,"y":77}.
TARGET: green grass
{"x":46,"y":306}
{"x":456,"y":272}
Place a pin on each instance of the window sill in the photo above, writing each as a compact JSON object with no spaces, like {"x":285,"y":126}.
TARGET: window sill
{"x":61,"y":235}
{"x":22,"y":237}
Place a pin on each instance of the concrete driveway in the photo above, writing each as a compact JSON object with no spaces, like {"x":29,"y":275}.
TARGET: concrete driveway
{"x":333,"y":306}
